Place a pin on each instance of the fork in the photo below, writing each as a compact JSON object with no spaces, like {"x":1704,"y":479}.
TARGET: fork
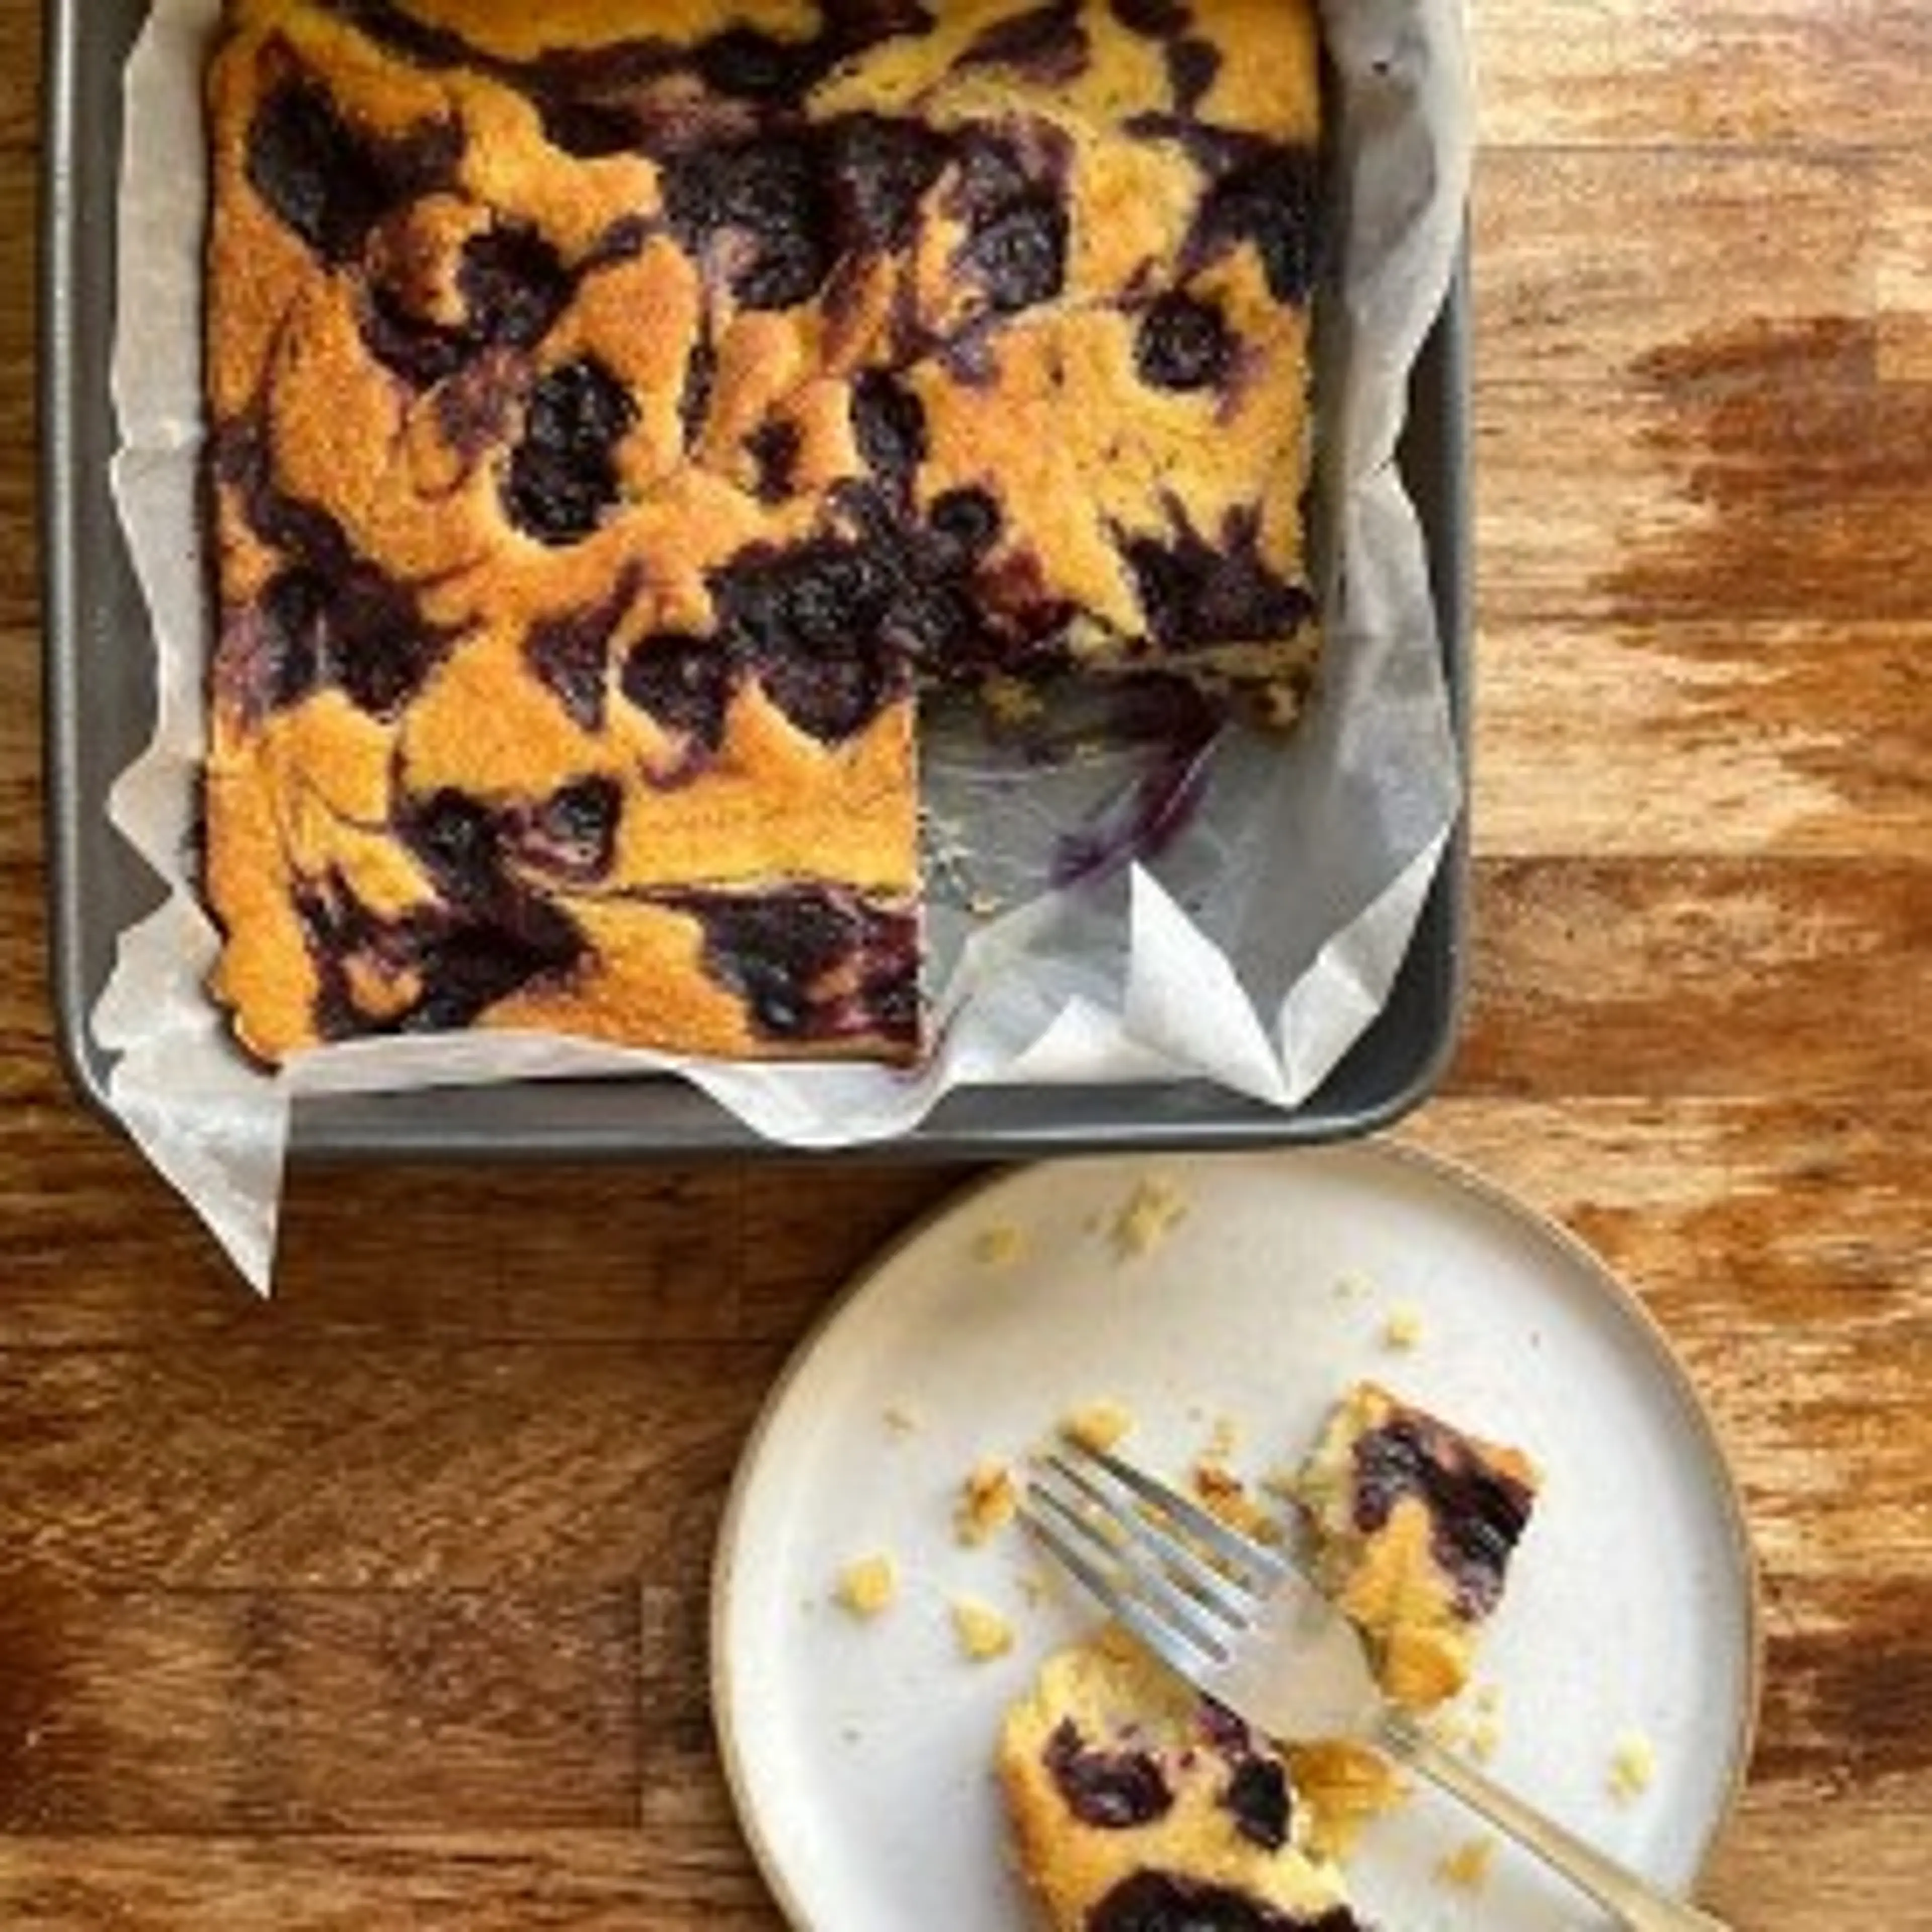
{"x":1239,"y":1621}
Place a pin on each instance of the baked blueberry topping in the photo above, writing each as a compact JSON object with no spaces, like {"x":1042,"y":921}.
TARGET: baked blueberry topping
{"x":513,"y":285}
{"x":468,"y":968}
{"x":1153,"y":20}
{"x":574,"y":832}
{"x":1019,"y":254}
{"x":1026,"y":616}
{"x":563,"y":473}
{"x":329,"y":616}
{"x":1182,"y":344}
{"x":754,"y":66}
{"x":1046,"y":43}
{"x":834,"y":696}
{"x":1192,"y":66}
{"x":774,"y":447}
{"x":474,"y":405}
{"x":852,"y":26}
{"x":1016,"y":225}
{"x":487,"y":939}
{"x":810,"y":964}
{"x":1195,"y":595}
{"x":239,"y":457}
{"x":279,"y":650}
{"x":331,"y":182}
{"x":358,"y":629}
{"x":593,"y":130}
{"x":1257,"y":1798}
{"x":1268,"y":192}
{"x":1111,"y":1790}
{"x":683,"y":684}
{"x":966,"y":520}
{"x":889,"y":426}
{"x":807,"y":601}
{"x":770,"y":196}
{"x":457,"y":838}
{"x":1158,"y":1901}
{"x":814,"y":624}
{"x":1227,"y":1732}
{"x":992,"y":171}
{"x":1477,"y":1514}
{"x":569,"y":654}
{"x":463,"y":961}
{"x":881,"y":170}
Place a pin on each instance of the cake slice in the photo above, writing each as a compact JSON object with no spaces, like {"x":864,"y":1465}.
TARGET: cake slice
{"x":1137,"y":1806}
{"x":1413,"y":1523}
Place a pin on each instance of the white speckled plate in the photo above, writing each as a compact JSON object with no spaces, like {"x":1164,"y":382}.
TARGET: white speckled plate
{"x":859,"y":1750}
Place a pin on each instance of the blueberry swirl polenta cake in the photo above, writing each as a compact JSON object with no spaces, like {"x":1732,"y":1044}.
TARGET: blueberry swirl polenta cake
{"x":620,"y":410}
{"x":1413,"y":1522}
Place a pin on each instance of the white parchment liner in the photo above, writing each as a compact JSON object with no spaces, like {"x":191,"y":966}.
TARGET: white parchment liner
{"x":1254,"y":952}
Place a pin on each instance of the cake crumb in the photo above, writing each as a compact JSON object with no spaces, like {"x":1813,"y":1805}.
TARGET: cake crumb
{"x":1224,"y":1437}
{"x":868,"y":1585}
{"x":999,"y":1245}
{"x":1633,"y":1766}
{"x":987,"y":1501}
{"x":1470,"y":1725}
{"x":1345,"y":1785}
{"x":901,"y":1420}
{"x":1467,"y":1868}
{"x":1096,"y":1425}
{"x":983,"y":1634}
{"x":1403,"y":1329}
{"x":1152,"y":1212}
{"x":1224,"y":1495}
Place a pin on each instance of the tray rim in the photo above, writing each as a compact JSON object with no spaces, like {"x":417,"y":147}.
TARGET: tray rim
{"x":662,"y":1117}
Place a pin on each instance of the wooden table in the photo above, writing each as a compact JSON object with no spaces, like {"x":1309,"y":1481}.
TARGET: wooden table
{"x":384,"y":1604}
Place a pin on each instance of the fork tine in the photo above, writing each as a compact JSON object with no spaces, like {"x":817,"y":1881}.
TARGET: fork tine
{"x":1270,"y":1566}
{"x":1178,"y":1652}
{"x":1134,"y":1567}
{"x":1229,"y":1596}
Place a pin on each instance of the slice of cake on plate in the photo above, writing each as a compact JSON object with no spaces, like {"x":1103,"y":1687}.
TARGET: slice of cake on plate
{"x":1137,"y":1806}
{"x":1413,"y":1523}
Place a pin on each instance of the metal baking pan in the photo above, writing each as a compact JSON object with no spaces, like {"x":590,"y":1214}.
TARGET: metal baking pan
{"x":100,"y":701}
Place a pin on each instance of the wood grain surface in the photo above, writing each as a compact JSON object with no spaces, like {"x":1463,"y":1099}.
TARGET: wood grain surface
{"x":383,"y":1604}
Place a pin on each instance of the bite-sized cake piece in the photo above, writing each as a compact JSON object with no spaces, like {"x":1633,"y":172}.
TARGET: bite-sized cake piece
{"x":1137,"y":1806}
{"x":1414,"y":1522}
{"x":619,"y":411}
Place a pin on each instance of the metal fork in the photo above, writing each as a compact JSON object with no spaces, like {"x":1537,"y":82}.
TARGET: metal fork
{"x":1240,"y":1622}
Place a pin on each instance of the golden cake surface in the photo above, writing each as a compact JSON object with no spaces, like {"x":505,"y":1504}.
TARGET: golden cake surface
{"x":620,"y":411}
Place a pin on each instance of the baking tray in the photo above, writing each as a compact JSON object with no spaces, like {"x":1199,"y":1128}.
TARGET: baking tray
{"x":99,"y":706}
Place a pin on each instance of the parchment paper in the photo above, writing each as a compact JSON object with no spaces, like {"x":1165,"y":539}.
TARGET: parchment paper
{"x":1254,"y":951}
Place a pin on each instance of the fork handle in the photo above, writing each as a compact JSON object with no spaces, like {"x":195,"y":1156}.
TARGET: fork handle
{"x":1639,"y":1904}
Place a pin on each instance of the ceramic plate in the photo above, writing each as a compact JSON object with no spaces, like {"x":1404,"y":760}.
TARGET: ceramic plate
{"x":859,"y":1749}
